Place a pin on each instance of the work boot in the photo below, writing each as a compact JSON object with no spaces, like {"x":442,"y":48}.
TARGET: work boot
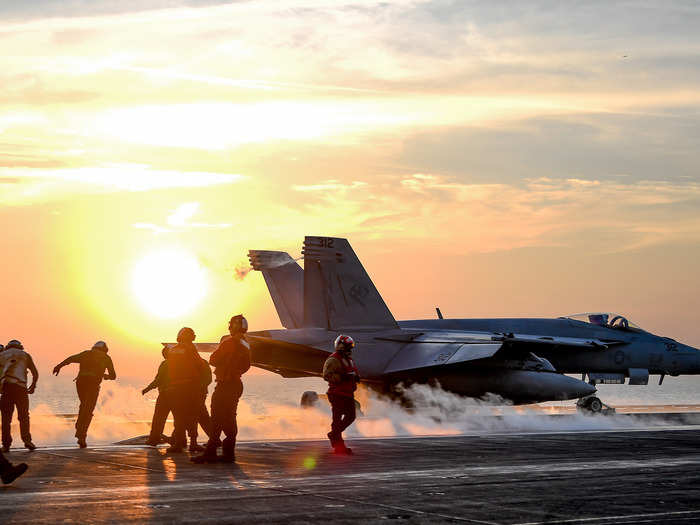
{"x":12,"y":472}
{"x":227,"y":458}
{"x":6,"y":448}
{"x":152,"y":443}
{"x":342,"y":450}
{"x":194,"y":447}
{"x":29,"y":445}
{"x":82,"y":443}
{"x":207,"y":457}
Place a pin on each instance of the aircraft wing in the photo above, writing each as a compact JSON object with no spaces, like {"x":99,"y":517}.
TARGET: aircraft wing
{"x":430,"y":349}
{"x":564,"y":342}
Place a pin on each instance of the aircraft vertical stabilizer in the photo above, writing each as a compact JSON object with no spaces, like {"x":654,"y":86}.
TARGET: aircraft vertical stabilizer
{"x":338,"y":293}
{"x":285,"y":281}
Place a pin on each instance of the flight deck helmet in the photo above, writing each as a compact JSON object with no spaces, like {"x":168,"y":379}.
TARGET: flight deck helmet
{"x":14,"y":344}
{"x":185,"y":335}
{"x":238,"y":324}
{"x":100,"y":345}
{"x":344,"y":344}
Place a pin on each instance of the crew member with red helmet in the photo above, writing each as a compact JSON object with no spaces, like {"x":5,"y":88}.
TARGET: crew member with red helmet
{"x":230,"y":361}
{"x":342,"y":376}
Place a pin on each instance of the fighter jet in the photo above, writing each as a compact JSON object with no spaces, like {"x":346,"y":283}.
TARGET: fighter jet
{"x":521,"y":360}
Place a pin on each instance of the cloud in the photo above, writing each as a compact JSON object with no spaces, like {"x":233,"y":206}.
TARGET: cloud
{"x":591,"y":214}
{"x":331,"y":185}
{"x":179,"y":220}
{"x":35,"y":185}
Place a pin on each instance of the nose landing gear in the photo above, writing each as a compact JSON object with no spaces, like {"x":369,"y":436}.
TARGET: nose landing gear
{"x":592,"y":405}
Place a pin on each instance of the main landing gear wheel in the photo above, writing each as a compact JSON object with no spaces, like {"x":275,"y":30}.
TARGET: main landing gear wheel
{"x":309,"y":399}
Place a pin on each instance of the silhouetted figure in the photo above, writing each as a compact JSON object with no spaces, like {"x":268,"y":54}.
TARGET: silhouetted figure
{"x":14,"y":364}
{"x":162,"y":408}
{"x":184,"y":391}
{"x":231,"y":360}
{"x":93,"y":364}
{"x":202,"y":419}
{"x":10,"y":472}
{"x":342,"y":376}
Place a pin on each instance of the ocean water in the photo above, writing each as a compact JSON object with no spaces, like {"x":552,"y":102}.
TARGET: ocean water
{"x":270,"y":409}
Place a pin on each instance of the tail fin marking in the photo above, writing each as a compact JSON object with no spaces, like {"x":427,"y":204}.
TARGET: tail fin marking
{"x":338,"y":293}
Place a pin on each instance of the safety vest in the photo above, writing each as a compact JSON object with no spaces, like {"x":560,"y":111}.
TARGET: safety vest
{"x":13,"y":366}
{"x":347,"y":386}
{"x":183,"y":365}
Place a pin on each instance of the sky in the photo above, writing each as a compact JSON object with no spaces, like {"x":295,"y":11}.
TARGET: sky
{"x":492,"y":158}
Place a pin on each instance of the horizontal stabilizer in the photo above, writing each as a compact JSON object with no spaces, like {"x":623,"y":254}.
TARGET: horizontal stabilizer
{"x":206,"y":348}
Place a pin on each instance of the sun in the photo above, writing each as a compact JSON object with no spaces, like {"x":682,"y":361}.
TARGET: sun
{"x":169,"y":282}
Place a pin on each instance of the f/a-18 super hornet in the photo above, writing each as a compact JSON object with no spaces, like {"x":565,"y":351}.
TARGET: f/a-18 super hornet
{"x":520,"y":360}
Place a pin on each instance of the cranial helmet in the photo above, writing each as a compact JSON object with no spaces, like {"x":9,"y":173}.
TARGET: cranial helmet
{"x":238,"y":324}
{"x":15,"y":344}
{"x":185,"y":335}
{"x":344,"y":343}
{"x":100,"y":345}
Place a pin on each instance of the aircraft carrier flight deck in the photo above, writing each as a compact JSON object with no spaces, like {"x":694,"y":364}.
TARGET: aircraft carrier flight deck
{"x":642,"y":474}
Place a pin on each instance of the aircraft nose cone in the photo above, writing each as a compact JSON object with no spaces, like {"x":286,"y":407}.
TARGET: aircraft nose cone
{"x":587,"y":390}
{"x":572,"y":388}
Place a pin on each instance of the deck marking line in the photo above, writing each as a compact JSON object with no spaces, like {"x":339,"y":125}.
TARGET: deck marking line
{"x":607,"y":518}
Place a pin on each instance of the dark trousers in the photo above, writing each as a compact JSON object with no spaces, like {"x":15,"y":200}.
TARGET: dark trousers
{"x":160,"y":415}
{"x":224,"y":404}
{"x":14,"y":396}
{"x":88,"y":389}
{"x":162,"y":410}
{"x":202,"y":418}
{"x":343,"y":409}
{"x":184,"y":403}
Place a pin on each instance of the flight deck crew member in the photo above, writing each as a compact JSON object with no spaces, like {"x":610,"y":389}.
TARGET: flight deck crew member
{"x":93,"y":364}
{"x":202,"y":418}
{"x":14,"y":364}
{"x":230,"y":361}
{"x":184,"y":389}
{"x":10,"y":472}
{"x":342,"y":376}
{"x":162,"y":408}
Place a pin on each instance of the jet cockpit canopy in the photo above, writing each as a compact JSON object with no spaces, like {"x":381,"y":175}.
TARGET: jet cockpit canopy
{"x":606,"y":319}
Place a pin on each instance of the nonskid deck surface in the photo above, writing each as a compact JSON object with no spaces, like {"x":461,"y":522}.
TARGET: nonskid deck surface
{"x":641,"y":476}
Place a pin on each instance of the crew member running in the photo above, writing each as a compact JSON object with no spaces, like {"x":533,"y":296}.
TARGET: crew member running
{"x":231,"y":360}
{"x":342,"y":376}
{"x":93,"y":364}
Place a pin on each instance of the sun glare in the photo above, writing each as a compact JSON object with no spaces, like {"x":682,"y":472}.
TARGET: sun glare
{"x":169,"y":283}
